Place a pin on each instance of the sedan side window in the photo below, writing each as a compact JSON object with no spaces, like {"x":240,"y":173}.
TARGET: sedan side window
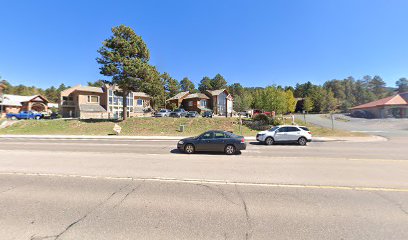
{"x":219,"y":135}
{"x":282,"y":129}
{"x":208,"y":135}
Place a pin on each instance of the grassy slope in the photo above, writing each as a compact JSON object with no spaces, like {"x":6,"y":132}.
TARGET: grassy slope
{"x":143,"y":127}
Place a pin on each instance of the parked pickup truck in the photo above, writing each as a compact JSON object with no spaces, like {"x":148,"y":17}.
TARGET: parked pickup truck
{"x":25,"y":115}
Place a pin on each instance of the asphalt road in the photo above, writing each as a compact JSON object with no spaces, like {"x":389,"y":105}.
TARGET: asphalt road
{"x":128,"y":189}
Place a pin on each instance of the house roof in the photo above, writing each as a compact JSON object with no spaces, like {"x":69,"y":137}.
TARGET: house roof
{"x":140,"y":94}
{"x":178,"y":96}
{"x":388,"y":101}
{"x":83,"y":88}
{"x":16,"y":100}
{"x":89,"y":89}
{"x":91,"y":108}
{"x":215,"y":92}
{"x":197,"y":95}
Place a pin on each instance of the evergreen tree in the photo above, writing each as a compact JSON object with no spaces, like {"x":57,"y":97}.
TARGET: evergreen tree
{"x":187,"y":85}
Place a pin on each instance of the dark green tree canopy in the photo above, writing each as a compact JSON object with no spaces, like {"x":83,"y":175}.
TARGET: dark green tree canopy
{"x":171,"y":85}
{"x":205,"y":84}
{"x":402,"y":85}
{"x":124,"y":57}
{"x":218,"y":82}
{"x":187,"y":85}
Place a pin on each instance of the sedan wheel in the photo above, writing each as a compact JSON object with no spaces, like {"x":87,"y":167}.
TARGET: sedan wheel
{"x":269,"y":141}
{"x":189,"y":148}
{"x":229,"y":149}
{"x":302,"y":141}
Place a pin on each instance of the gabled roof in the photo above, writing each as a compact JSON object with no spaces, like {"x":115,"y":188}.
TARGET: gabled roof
{"x":197,"y":95}
{"x":215,"y":92}
{"x":83,"y":88}
{"x":388,"y":101}
{"x":16,"y":100}
{"x":178,"y":96}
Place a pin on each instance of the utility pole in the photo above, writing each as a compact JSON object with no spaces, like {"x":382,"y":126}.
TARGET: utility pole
{"x":332,"y":120}
{"x":240,"y":124}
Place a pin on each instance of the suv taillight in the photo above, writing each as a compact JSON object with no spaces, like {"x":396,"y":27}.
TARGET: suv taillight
{"x":243,"y":140}
{"x":310,"y":133}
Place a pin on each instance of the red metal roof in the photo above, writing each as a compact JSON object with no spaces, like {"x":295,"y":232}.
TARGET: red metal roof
{"x":388,"y":101}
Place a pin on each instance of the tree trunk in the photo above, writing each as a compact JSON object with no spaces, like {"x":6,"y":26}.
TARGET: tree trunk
{"x":125,"y":95}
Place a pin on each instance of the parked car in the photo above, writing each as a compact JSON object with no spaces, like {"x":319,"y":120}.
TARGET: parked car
{"x":178,"y":113}
{"x":25,"y":115}
{"x":192,"y":114}
{"x":53,"y":115}
{"x":207,"y":114}
{"x":163,"y":113}
{"x":213,"y":141}
{"x":285,"y":134}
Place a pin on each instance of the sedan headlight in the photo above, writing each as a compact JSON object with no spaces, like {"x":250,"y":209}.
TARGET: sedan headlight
{"x":181,"y":142}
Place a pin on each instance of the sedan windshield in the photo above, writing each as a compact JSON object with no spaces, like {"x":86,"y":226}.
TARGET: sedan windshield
{"x":163,"y":110}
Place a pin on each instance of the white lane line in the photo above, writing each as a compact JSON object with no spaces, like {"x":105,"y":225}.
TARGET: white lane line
{"x":215,"y":182}
{"x":66,"y":143}
{"x":85,"y":139}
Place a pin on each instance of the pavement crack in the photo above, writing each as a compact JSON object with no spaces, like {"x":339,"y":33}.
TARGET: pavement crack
{"x":219,"y":192}
{"x":8,"y":189}
{"x":249,"y":231}
{"x":83,"y":217}
{"x":392,"y":202}
{"x":128,"y":194}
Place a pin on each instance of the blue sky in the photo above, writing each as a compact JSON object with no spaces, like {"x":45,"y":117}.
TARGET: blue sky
{"x":255,"y":43}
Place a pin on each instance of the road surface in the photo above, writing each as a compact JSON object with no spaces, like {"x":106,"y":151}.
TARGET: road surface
{"x":128,"y":189}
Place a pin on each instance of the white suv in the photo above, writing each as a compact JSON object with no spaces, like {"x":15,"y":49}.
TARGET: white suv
{"x":285,"y":134}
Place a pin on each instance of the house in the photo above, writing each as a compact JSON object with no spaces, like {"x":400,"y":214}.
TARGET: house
{"x":394,"y":106}
{"x":87,"y":102}
{"x":16,"y":103}
{"x":218,"y":101}
{"x":177,"y":100}
{"x":196,"y":102}
{"x":221,"y":102}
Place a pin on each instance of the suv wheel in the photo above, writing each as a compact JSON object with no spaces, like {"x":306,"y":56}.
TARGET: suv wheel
{"x":269,"y":141}
{"x":189,"y":149}
{"x":229,"y":149}
{"x":302,"y":141}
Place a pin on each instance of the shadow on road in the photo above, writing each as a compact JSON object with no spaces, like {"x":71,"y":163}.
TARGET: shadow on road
{"x":176,"y":151}
{"x":282,"y":144}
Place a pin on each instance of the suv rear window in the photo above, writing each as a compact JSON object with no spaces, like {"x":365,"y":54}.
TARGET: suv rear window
{"x":305,"y":128}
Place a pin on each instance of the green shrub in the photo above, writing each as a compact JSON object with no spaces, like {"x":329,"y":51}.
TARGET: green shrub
{"x":275,"y":121}
{"x":261,"y":118}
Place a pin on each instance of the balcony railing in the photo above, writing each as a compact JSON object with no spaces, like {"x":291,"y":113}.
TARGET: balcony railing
{"x":67,"y":103}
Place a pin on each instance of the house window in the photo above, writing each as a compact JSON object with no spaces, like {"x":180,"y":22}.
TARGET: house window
{"x":110,"y":93}
{"x":203,"y":103}
{"x":93,"y":99}
{"x":110,"y":100}
{"x":190,"y":103}
{"x":139,"y":102}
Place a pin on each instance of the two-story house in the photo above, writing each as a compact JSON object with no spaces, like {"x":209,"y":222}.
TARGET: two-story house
{"x":220,"y":102}
{"x":87,"y":102}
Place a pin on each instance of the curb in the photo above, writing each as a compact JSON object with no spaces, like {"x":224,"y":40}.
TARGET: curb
{"x":114,"y":137}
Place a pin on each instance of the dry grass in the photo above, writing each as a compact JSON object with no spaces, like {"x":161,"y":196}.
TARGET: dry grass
{"x":146,"y":127}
